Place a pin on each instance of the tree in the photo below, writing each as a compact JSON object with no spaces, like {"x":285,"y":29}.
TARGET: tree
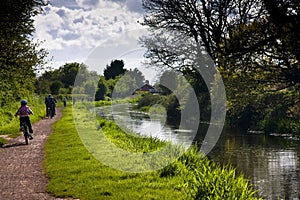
{"x":286,"y":19}
{"x":208,"y":23}
{"x":124,"y":87}
{"x":101,"y":89}
{"x":69,"y":72}
{"x":115,"y":69}
{"x":20,"y":58}
{"x":55,"y":87}
{"x":137,"y":75}
{"x":89,"y":88}
{"x":237,"y":35}
{"x":168,"y":82}
{"x":66,"y":75}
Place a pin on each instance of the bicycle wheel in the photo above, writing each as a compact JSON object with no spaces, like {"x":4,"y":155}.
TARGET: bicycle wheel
{"x":49,"y":112}
{"x":25,"y":133}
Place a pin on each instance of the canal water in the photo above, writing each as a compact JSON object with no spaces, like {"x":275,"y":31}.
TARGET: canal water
{"x":272,"y":163}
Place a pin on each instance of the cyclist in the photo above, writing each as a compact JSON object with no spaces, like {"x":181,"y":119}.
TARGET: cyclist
{"x":48,"y":104}
{"x":53,"y":105}
{"x":24,"y":111}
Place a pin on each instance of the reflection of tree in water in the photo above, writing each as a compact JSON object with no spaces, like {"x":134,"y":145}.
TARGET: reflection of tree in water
{"x":272,"y":164}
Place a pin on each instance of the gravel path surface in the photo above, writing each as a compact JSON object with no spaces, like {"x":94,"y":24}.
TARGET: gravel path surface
{"x":21,"y":169}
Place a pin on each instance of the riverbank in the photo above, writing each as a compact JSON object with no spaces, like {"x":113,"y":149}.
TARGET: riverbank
{"x":74,"y":172}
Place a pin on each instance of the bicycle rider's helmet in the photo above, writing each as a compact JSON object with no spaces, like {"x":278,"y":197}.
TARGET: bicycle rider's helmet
{"x":23,"y":102}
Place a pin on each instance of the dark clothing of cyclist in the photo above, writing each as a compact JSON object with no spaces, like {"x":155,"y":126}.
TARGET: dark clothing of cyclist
{"x":47,"y":103}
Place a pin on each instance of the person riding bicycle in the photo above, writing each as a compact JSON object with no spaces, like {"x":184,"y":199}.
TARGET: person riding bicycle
{"x":48,"y":104}
{"x":53,"y":105}
{"x":24,"y":111}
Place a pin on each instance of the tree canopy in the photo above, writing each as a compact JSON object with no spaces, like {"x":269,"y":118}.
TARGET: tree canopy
{"x":253,"y":43}
{"x":238,"y":35}
{"x":115,"y":69}
{"x":20,"y":57}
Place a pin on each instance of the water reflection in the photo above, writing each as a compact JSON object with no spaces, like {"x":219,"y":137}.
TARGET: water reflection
{"x":271,"y":163}
{"x":144,"y":125}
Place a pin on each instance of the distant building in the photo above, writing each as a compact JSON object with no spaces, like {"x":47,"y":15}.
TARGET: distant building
{"x":147,"y":88}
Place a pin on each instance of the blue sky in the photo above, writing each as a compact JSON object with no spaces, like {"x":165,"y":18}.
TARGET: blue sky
{"x":93,"y":32}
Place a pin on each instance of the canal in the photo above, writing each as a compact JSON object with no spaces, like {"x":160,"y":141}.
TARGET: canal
{"x":271,"y":162}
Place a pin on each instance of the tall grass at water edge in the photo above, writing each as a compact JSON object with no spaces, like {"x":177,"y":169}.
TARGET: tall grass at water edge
{"x":74,"y":172}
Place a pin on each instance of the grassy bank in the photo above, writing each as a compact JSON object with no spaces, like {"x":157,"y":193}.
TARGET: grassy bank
{"x":74,"y":172}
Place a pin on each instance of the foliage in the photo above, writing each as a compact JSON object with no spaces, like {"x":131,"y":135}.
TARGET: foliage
{"x":115,"y":69}
{"x":101,"y":90}
{"x":170,"y":103}
{"x":55,"y":87}
{"x":149,"y":100}
{"x":124,"y":87}
{"x":286,"y":19}
{"x":137,"y":76}
{"x":255,"y":45}
{"x":62,"y":80}
{"x":20,"y":57}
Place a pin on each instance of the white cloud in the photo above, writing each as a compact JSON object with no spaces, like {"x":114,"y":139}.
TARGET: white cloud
{"x":87,"y":4}
{"x":90,"y":31}
{"x":63,"y":27}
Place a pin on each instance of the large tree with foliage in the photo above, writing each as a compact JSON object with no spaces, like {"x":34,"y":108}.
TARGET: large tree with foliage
{"x":20,"y":57}
{"x":64,"y":78}
{"x":254,"y":44}
{"x":250,"y":35}
{"x":115,"y":69}
{"x":286,"y":19}
{"x":209,"y":24}
{"x":137,"y":75}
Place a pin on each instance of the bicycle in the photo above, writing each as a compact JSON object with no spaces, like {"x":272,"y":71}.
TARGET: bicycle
{"x":50,"y":112}
{"x":26,"y":134}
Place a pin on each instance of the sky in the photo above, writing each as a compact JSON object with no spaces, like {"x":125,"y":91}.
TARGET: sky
{"x":93,"y":32}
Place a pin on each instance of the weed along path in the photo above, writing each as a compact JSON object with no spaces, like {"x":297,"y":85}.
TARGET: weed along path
{"x":21,"y":170}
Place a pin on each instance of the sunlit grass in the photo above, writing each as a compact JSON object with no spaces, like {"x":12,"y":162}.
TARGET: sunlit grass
{"x":74,"y":172}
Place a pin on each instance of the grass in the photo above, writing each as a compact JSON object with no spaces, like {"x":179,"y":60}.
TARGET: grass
{"x":75,"y":172}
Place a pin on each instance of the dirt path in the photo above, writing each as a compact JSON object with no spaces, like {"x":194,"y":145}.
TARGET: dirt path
{"x":21,"y":171}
